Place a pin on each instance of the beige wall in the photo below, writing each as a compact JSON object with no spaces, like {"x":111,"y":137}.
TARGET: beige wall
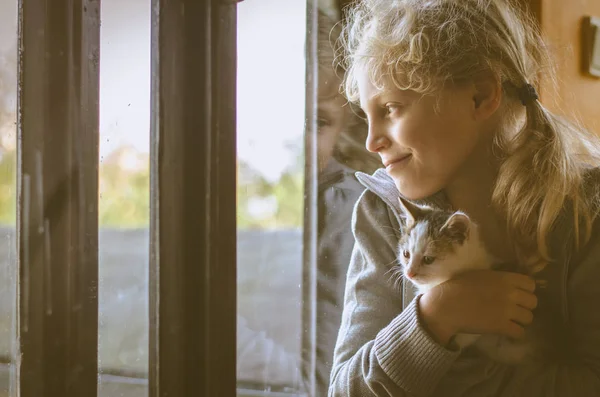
{"x":578,"y":93}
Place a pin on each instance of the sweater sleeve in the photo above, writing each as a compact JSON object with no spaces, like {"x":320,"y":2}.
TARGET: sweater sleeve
{"x":381,"y":349}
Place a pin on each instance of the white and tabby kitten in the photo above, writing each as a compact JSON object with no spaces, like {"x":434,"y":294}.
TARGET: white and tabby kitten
{"x":436,"y":246}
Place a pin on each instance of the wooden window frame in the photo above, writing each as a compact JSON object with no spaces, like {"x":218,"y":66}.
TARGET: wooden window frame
{"x":193,"y":198}
{"x":57,"y":215}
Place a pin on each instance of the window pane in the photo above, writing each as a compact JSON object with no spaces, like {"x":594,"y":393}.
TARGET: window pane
{"x":124,"y":197}
{"x":8,"y":156}
{"x":286,"y":328}
{"x":271,"y":106}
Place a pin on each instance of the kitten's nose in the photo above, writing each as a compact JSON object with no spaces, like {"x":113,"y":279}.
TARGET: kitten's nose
{"x":410,"y":274}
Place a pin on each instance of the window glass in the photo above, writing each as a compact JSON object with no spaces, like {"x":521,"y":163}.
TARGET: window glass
{"x":124,"y":197}
{"x":8,"y":162}
{"x":270,"y":134}
{"x":279,"y":314}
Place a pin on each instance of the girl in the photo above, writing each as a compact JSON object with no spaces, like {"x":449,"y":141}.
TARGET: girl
{"x":447,"y":87}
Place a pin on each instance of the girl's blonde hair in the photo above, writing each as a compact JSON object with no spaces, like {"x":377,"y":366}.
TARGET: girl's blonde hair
{"x":350,"y":148}
{"x":426,"y":45}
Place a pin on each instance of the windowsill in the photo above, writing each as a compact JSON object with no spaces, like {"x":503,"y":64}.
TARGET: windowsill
{"x":111,"y":385}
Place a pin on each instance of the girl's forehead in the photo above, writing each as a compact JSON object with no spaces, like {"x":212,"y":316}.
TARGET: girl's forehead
{"x":370,"y":91}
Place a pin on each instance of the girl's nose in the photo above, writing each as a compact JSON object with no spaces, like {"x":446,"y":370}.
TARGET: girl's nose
{"x":376,"y":141}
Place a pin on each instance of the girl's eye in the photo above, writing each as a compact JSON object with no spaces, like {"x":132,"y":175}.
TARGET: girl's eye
{"x":406,"y":254}
{"x":391,"y":108}
{"x":323,"y":122}
{"x":428,"y":260}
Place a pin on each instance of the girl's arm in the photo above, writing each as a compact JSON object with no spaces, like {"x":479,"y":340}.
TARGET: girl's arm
{"x":577,"y":370}
{"x":382,"y":350}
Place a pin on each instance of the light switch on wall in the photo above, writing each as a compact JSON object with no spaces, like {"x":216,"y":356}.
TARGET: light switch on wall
{"x":591,"y":46}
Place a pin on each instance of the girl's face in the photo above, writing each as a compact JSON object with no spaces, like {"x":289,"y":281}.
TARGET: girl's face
{"x":331,"y":118}
{"x":423,"y":148}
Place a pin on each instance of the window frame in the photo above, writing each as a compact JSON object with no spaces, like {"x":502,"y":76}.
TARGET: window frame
{"x":193,"y":206}
{"x":193,"y":199}
{"x":57,"y":184}
{"x":310,"y":228}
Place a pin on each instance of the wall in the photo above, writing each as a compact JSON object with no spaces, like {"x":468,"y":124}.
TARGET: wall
{"x":561,"y":23}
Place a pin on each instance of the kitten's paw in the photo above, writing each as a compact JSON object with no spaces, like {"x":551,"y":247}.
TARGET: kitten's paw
{"x":513,"y":352}
{"x":464,"y":340}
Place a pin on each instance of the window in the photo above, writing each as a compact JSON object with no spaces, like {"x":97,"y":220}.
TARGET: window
{"x":270,"y":208}
{"x":8,"y":193}
{"x":124,"y":198}
{"x":299,"y":145}
{"x":137,"y":252}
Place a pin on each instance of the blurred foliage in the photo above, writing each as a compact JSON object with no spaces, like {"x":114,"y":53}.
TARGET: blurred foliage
{"x":8,"y":188}
{"x":125,"y":196}
{"x":283,"y":199}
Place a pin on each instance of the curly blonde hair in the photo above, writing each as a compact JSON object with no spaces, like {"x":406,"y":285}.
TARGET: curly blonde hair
{"x":426,"y":45}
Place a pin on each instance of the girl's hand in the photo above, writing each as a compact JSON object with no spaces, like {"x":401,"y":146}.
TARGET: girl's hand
{"x":479,"y":302}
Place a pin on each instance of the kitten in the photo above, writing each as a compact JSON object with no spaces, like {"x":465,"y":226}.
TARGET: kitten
{"x":436,"y":246}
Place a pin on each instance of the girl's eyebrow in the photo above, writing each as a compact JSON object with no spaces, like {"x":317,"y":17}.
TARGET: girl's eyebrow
{"x":394,"y":93}
{"x":373,"y":97}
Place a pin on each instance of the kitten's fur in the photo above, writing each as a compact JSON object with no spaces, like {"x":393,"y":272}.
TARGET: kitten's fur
{"x":436,"y":246}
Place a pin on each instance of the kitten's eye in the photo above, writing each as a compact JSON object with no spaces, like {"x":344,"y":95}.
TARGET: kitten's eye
{"x":406,"y":254}
{"x":428,"y":260}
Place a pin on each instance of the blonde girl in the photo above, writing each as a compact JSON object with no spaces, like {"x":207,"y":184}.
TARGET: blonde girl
{"x":448,"y":88}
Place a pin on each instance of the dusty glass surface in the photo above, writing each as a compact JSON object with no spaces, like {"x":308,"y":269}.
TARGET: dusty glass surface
{"x":8,"y":156}
{"x":124,"y":197}
{"x":296,"y":193}
{"x":270,"y":133}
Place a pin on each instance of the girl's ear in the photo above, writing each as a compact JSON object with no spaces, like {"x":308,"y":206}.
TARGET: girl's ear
{"x":487,"y":96}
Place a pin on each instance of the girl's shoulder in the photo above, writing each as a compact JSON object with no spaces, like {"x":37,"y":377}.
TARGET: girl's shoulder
{"x":591,"y":187}
{"x":372,"y":216}
{"x":377,"y":208}
{"x":376,"y":231}
{"x":591,"y":197}
{"x":565,"y":235}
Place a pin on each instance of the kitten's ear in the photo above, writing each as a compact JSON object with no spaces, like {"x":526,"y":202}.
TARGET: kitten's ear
{"x":413,"y":211}
{"x":457,"y":227}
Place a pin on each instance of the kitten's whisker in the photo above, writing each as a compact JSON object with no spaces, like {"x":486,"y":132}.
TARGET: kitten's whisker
{"x":398,"y":281}
{"x":396,"y":277}
{"x":390,"y":235}
{"x":391,"y":270}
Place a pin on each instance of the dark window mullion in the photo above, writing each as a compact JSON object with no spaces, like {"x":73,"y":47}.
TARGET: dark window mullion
{"x":193,"y":230}
{"x":58,"y":197}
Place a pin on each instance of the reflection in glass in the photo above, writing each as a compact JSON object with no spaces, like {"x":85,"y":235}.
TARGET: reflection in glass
{"x":271,"y":196}
{"x":124,"y":197}
{"x":341,"y":152}
{"x":8,"y":158}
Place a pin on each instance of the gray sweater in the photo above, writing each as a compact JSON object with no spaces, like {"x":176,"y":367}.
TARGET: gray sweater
{"x":383,"y":350}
